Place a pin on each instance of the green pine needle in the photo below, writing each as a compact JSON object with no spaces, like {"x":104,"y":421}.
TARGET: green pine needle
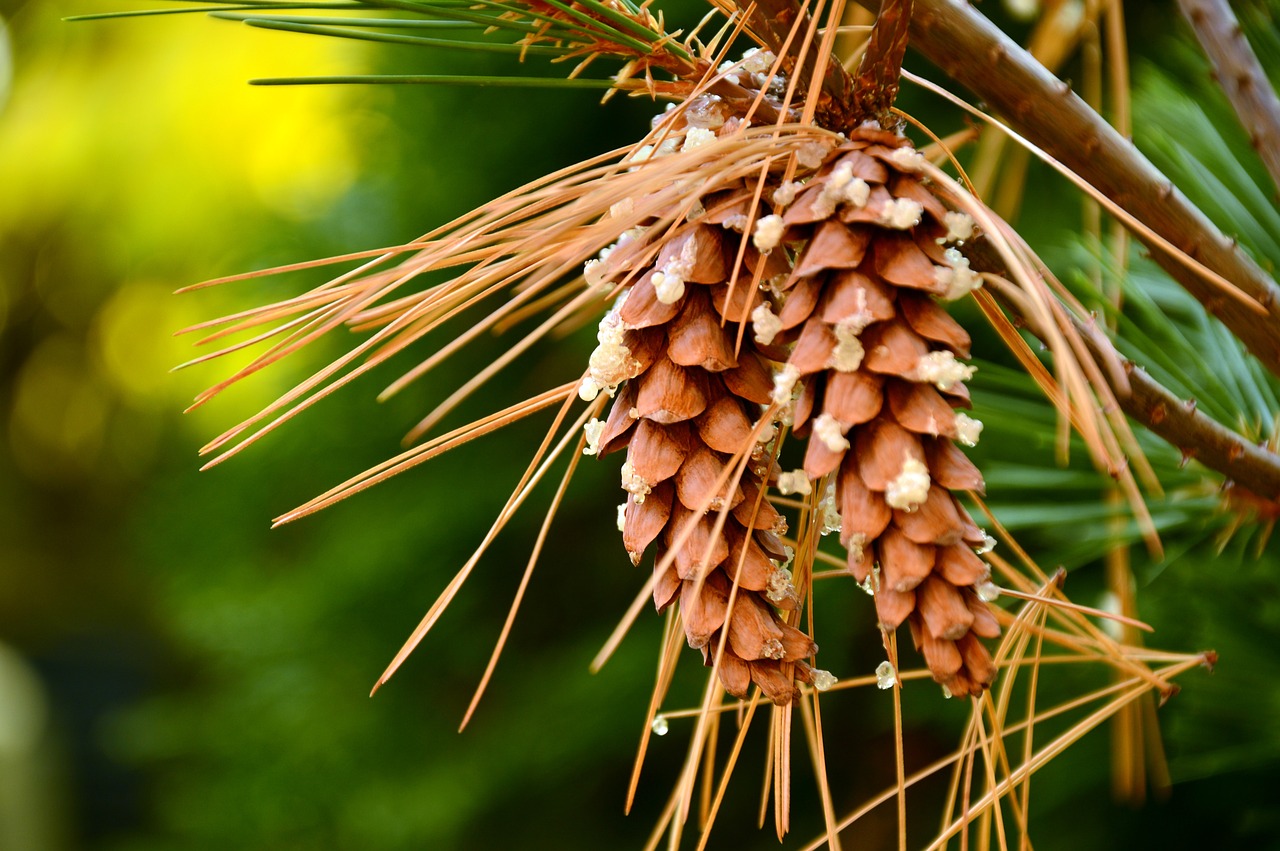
{"x":439,"y":80}
{"x":397,"y":38}
{"x":383,"y":23}
{"x":240,"y":6}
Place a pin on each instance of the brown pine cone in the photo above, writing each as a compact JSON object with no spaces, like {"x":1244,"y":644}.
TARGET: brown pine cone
{"x":832,"y":325}
{"x":874,"y":361}
{"x":687,"y":412}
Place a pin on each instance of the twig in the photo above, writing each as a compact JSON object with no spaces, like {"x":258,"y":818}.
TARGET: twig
{"x":1239,"y":73}
{"x":1175,"y":420}
{"x":773,"y":21}
{"x":974,"y":52}
{"x":1196,"y":435}
{"x":876,"y":85}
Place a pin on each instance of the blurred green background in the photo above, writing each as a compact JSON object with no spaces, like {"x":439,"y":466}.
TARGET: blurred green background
{"x":175,"y":675}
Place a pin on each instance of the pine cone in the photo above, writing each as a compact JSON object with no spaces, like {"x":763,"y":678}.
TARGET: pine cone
{"x":689,"y":407}
{"x":844,"y":341}
{"x":874,"y":357}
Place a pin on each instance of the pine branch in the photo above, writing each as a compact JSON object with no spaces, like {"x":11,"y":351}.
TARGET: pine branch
{"x":974,"y":52}
{"x":1238,"y":71}
{"x":1190,"y":431}
{"x":1177,"y":421}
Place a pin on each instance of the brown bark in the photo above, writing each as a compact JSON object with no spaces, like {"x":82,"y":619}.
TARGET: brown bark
{"x":974,"y":52}
{"x":1193,"y":433}
{"x":774,"y":21}
{"x":1239,"y":73}
{"x":880,"y":70}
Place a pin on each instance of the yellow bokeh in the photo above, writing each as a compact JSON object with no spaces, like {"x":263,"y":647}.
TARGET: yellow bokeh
{"x":59,"y":412}
{"x":133,"y":156}
{"x":178,"y":121}
{"x":131,"y":347}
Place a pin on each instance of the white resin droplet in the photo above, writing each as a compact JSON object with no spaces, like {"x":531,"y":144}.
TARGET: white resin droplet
{"x":594,"y":428}
{"x":828,"y":512}
{"x":622,"y":209}
{"x":643,"y":153}
{"x":757,"y":60}
{"x":823,"y":680}
{"x":910,"y":488}
{"x":942,"y":370}
{"x":959,"y":227}
{"x":827,"y":429}
{"x":886,"y":676}
{"x":794,"y":482}
{"x":840,"y":176}
{"x":668,"y":287}
{"x":696,"y":137}
{"x":857,"y":192}
{"x":786,"y":193}
{"x":847,"y":354}
{"x":959,"y":279}
{"x":611,"y":363}
{"x":668,"y":283}
{"x":857,"y":541}
{"x":594,"y":272}
{"x":872,"y":583}
{"x":768,"y":233}
{"x":811,"y":154}
{"x":784,"y":382}
{"x":968,"y":430}
{"x":901,"y":213}
{"x":706,"y":112}
{"x":768,"y":433}
{"x":634,"y":484}
{"x":907,"y":159}
{"x":987,"y":591}
{"x":659,"y":725}
{"x":780,"y":586}
{"x":765,"y":323}
{"x":830,"y":515}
